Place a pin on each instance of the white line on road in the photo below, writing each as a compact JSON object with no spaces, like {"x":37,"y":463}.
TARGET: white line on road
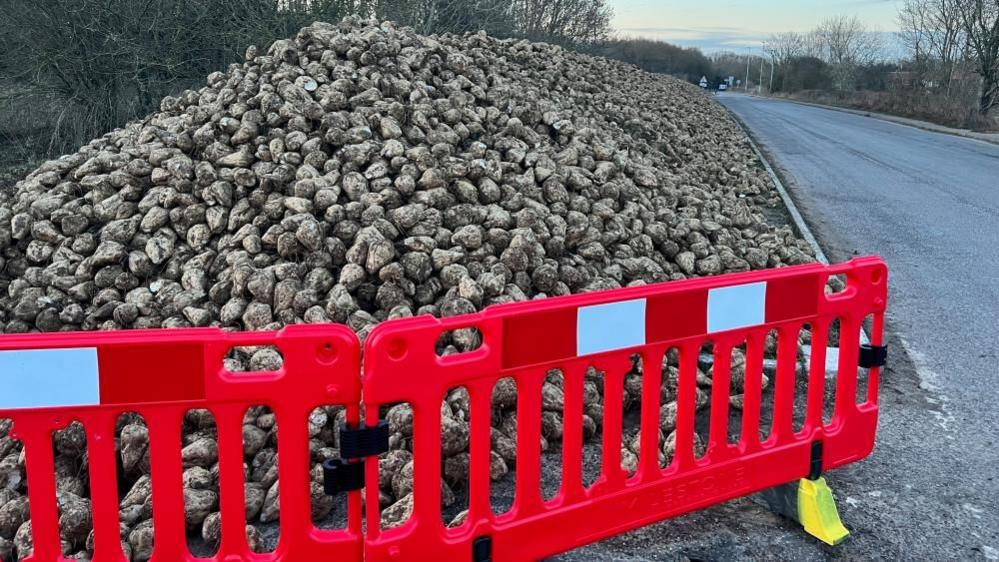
{"x":929,"y":383}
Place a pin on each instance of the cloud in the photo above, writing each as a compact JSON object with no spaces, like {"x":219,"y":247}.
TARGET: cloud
{"x":734,"y":25}
{"x":708,"y":39}
{"x":720,"y":39}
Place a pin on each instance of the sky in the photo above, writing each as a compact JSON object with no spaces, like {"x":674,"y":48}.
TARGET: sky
{"x":733,"y":25}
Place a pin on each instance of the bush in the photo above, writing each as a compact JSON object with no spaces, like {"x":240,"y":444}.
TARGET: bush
{"x":88,"y":66}
{"x":958,"y":110}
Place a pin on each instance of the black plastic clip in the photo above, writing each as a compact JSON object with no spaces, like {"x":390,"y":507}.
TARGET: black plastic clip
{"x":815,"y":461}
{"x":482,"y":549}
{"x":361,"y":442}
{"x":342,"y":476}
{"x":356,"y":444}
{"x":873,"y":356}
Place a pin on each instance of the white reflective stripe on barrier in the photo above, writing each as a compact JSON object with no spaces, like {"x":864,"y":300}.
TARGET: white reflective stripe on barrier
{"x":739,"y":306}
{"x":49,"y":378}
{"x":607,"y":327}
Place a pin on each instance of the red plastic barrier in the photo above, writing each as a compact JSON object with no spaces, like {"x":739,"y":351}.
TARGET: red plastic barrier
{"x":525,"y":340}
{"x":161,"y":374}
{"x":50,"y":380}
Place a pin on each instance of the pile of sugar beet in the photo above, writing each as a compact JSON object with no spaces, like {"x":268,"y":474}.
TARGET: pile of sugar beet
{"x":356,"y":173}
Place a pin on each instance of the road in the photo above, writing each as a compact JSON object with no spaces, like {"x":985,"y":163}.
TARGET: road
{"x":929,"y":204}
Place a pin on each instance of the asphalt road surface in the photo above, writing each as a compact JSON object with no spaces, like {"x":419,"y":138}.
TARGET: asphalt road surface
{"x":929,"y":204}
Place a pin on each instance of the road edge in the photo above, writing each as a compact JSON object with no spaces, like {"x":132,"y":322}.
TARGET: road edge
{"x":799,"y":220}
{"x":992,"y":139}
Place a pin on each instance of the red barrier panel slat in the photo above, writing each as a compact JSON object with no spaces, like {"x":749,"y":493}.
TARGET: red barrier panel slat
{"x":427,"y":460}
{"x":354,"y":500}
{"x":169,"y":534}
{"x":293,"y":474}
{"x":572,"y":433}
{"x":817,"y":375}
{"x":686,"y":399}
{"x":527,"y":500}
{"x":752,"y":392}
{"x":525,"y":340}
{"x":38,"y":458}
{"x":372,"y":512}
{"x":480,"y":444}
{"x":846,"y":381}
{"x":616,"y":366}
{"x":232,"y":498}
{"x":652,"y":370}
{"x":787,"y":357}
{"x":718,"y":433}
{"x":101,"y":457}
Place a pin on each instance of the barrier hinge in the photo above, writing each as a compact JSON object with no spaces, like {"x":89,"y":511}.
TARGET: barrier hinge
{"x":361,"y":442}
{"x":873,"y":356}
{"x":346,"y":474}
{"x":342,"y":476}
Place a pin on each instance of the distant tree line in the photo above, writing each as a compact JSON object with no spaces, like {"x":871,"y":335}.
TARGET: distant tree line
{"x":563,"y":22}
{"x":71,"y":70}
{"x":949,"y":72}
{"x":836,"y":55}
{"x":657,"y":56}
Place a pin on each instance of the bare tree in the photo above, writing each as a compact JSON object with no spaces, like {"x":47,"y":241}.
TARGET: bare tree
{"x":980,"y":23}
{"x":932,"y":31}
{"x":846,"y":39}
{"x":783,"y":47}
{"x":846,"y":43}
{"x":451,"y":16}
{"x":563,"y":21}
{"x":915,"y":29}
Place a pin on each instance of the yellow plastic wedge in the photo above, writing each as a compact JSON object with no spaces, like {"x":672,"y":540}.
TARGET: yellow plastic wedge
{"x":817,"y":512}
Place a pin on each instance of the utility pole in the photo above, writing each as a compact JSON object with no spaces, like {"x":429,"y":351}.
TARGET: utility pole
{"x":747,"y":69}
{"x":771,"y":76}
{"x":759,"y":87}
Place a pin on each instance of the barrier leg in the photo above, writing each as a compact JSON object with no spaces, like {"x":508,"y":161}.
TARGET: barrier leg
{"x":810,"y":503}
